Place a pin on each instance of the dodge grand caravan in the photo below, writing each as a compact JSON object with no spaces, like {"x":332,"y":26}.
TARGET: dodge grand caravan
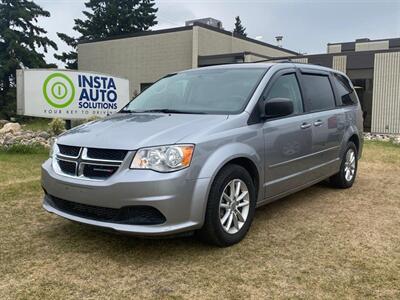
{"x":199,"y":150}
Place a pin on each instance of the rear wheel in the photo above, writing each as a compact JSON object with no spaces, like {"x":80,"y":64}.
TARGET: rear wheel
{"x":230,"y":208}
{"x":348,"y":168}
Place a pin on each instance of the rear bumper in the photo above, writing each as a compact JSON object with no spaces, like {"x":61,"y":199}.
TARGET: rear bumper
{"x":181,"y":201}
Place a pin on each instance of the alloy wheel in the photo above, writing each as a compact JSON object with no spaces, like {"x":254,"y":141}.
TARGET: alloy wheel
{"x":350,"y":165}
{"x":234,"y":206}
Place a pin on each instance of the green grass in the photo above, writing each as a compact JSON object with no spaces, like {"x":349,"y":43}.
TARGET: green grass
{"x":17,"y":168}
{"x":24,"y":149}
{"x":385,"y":144}
{"x":36,"y":124}
{"x":386,"y":151}
{"x":320,"y":243}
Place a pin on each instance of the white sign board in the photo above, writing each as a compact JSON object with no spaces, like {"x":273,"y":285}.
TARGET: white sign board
{"x":69,"y":94}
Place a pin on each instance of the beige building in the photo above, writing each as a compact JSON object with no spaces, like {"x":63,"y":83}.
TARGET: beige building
{"x":372,"y":65}
{"x":374,"y":68}
{"x":145,"y":57}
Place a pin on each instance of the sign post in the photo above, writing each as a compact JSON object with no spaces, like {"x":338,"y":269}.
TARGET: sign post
{"x":68,"y":94}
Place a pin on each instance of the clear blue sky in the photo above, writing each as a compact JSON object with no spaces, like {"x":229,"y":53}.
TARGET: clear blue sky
{"x":307,"y":26}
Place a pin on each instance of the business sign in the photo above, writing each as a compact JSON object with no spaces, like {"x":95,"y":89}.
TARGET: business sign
{"x":69,"y":94}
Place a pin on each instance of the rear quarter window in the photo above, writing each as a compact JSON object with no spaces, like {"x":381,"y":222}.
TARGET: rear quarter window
{"x":319,"y":93}
{"x":346,"y":93}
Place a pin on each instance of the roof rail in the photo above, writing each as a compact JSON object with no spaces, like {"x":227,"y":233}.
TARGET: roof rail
{"x":277,"y":59}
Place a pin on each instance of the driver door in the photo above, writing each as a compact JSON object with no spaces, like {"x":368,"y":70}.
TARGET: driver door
{"x":288,"y":140}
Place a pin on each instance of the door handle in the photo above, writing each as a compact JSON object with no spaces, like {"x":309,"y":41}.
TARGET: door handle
{"x":318,"y":123}
{"x":305,"y":125}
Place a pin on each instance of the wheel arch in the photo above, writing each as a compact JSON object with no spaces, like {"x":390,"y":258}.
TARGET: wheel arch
{"x":235,"y":153}
{"x":352,"y":135}
{"x":249,"y":166}
{"x":355,"y":139}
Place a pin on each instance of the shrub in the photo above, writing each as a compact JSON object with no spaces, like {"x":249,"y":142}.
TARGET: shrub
{"x":57,"y":126}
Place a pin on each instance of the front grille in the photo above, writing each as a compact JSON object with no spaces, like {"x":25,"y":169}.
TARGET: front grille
{"x":67,"y":167}
{"x":106,"y":154}
{"x":90,"y":163}
{"x":98,"y":171}
{"x":69,"y":150}
{"x":130,"y":215}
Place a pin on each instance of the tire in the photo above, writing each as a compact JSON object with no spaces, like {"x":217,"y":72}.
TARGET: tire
{"x":342,"y":179}
{"x":220,"y":208}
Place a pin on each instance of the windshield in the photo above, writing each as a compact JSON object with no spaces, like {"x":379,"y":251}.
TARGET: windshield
{"x":216,"y":91}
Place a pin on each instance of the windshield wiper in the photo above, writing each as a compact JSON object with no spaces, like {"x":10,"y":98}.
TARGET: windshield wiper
{"x":127,"y":111}
{"x":171,"y":111}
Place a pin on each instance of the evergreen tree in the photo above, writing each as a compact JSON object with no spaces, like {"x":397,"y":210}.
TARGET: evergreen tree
{"x":239,"y":29}
{"x":20,"y":41}
{"x":69,"y":58}
{"x":107,"y":18}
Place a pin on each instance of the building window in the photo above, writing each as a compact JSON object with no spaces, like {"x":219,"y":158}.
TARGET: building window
{"x":144,"y":86}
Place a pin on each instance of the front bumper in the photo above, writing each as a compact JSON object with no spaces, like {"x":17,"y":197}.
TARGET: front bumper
{"x":180,"y":200}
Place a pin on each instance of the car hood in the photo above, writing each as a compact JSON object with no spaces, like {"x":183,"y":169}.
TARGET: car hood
{"x":133,"y":131}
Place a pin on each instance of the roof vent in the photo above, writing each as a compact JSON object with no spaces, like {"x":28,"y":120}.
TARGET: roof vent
{"x":363,"y":40}
{"x":279,"y":39}
{"x":207,"y":21}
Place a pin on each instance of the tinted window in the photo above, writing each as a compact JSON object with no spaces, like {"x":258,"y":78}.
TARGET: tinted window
{"x":319,"y":92}
{"x":219,"y":91}
{"x":345,"y":91}
{"x":287,"y":86}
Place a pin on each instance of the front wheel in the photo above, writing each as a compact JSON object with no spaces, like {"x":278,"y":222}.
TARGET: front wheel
{"x":230,"y":208}
{"x":348,"y":168}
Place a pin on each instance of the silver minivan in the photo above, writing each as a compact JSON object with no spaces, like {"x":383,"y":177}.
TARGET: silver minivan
{"x":199,"y":150}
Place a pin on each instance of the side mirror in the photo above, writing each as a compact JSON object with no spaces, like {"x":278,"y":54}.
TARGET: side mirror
{"x":278,"y":107}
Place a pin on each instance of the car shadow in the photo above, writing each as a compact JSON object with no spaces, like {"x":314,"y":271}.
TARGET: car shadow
{"x":297,"y":199}
{"x":73,"y":237}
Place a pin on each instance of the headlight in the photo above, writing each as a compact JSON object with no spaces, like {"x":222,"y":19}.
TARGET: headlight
{"x":163,"y":158}
{"x":53,"y":144}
